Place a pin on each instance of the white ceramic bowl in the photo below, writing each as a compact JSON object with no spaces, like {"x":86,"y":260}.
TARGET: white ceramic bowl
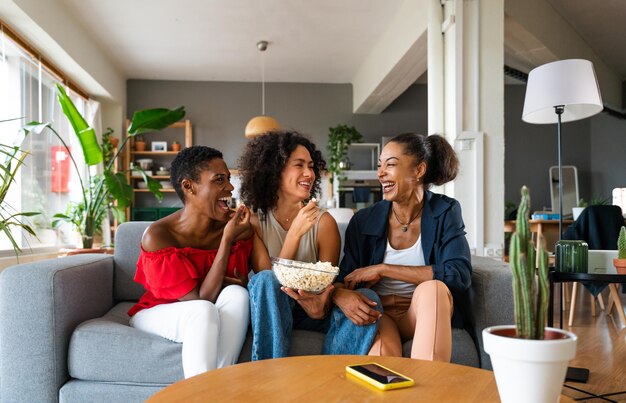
{"x":310,"y":277}
{"x":142,"y":185}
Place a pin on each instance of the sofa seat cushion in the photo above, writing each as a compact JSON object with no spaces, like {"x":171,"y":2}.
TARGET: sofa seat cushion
{"x":107,"y":349}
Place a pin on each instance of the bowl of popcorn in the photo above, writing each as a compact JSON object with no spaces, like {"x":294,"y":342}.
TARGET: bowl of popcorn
{"x":309,"y":277}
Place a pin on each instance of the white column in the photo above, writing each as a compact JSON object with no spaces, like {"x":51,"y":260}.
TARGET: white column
{"x":473,"y":111}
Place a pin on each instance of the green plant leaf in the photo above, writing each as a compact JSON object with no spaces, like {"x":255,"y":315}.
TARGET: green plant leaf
{"x":118,"y":187}
{"x":35,"y":127}
{"x":86,"y":134}
{"x":154,"y":119}
{"x":119,"y":213}
{"x":155,"y":187}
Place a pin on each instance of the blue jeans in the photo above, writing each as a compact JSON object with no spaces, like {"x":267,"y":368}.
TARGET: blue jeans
{"x":274,"y":314}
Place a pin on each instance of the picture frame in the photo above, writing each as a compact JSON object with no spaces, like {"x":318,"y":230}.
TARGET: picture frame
{"x":158,"y":146}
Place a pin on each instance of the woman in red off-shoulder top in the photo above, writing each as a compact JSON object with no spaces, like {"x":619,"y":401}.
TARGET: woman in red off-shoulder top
{"x":194,"y":266}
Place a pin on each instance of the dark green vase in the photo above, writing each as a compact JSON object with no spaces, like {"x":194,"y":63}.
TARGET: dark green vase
{"x":571,"y":256}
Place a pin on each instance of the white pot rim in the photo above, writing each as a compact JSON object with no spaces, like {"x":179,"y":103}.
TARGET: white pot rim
{"x":528,"y":349}
{"x":569,"y":334}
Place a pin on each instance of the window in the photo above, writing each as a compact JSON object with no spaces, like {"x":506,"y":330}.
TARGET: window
{"x":47,"y":180}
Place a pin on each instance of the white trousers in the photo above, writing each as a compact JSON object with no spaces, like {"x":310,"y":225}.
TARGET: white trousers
{"x":212,"y":334}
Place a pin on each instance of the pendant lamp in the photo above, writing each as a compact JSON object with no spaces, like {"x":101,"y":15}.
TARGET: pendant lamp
{"x":259,"y":125}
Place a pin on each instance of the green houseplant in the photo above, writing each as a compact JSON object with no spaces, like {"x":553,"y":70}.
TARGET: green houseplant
{"x":339,"y":139}
{"x":620,"y":261}
{"x":109,"y":190}
{"x":11,"y":159}
{"x":529,"y":350}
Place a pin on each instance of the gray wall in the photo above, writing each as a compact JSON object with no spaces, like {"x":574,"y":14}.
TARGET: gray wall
{"x":608,"y":154}
{"x":219,"y":111}
{"x":530,"y":150}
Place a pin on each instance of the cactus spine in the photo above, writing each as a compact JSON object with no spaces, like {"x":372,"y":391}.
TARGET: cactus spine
{"x":621,"y":244}
{"x":531,"y":303}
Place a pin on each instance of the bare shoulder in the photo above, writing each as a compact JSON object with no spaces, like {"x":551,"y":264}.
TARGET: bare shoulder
{"x":327,"y":223}
{"x":256,"y":223}
{"x":158,"y":236}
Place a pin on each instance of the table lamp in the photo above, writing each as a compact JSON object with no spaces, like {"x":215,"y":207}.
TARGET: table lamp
{"x":561,"y":91}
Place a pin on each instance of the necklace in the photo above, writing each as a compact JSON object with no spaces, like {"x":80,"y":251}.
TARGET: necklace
{"x":405,"y":227}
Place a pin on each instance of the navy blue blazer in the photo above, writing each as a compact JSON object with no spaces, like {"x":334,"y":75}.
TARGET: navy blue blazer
{"x":443,"y":242}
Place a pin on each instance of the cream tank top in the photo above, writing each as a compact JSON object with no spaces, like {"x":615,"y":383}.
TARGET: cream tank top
{"x":274,"y":237}
{"x":411,"y":256}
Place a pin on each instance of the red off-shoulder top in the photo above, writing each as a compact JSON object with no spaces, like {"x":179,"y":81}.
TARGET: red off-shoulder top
{"x":171,"y":273}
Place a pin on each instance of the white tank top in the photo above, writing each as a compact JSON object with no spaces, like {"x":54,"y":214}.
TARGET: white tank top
{"x":411,"y":256}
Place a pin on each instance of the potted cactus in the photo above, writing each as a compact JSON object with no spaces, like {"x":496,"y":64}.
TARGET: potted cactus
{"x":529,"y":359}
{"x":620,"y":262}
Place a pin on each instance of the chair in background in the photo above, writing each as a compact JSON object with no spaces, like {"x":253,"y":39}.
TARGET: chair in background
{"x":598,"y":226}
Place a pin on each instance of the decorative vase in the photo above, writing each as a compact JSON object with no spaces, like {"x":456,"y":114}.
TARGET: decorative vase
{"x":620,"y":265}
{"x":140,"y":145}
{"x":571,"y":256}
{"x":345,"y":164}
{"x":529,"y":370}
{"x":175,"y":146}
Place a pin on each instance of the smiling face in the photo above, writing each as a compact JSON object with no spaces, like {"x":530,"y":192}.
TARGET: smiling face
{"x":212,"y":191}
{"x":298,"y":175}
{"x":398,"y":173}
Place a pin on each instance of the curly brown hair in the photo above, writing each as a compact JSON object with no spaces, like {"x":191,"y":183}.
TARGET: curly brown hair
{"x":262,"y":163}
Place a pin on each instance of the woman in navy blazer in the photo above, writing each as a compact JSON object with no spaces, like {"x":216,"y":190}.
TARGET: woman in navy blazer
{"x":411,"y":249}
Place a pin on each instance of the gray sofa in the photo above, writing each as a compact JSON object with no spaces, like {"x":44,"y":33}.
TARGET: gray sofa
{"x":64,"y":331}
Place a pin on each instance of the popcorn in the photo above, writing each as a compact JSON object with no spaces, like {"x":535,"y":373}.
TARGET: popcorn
{"x":309,"y":277}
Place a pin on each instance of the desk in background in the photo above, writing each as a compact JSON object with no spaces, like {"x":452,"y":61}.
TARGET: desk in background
{"x":541,"y":227}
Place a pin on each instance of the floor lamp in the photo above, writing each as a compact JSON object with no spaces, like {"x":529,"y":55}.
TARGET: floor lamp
{"x":559,"y":92}
{"x":562,"y":91}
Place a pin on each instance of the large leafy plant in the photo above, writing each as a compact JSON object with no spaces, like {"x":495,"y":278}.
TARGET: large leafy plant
{"x":11,"y":159}
{"x":109,"y":190}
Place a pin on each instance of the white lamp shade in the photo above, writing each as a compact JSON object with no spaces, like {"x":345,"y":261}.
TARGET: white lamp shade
{"x":571,"y":83}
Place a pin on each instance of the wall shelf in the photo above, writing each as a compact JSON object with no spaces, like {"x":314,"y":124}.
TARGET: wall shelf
{"x":184,"y":138}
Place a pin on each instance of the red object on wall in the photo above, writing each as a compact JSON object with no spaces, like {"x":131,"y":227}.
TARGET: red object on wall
{"x":60,"y":170}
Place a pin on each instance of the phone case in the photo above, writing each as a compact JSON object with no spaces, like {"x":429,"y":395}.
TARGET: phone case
{"x":382,"y":386}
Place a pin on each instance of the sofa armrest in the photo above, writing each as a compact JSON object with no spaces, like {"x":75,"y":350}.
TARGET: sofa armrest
{"x":492,"y":298}
{"x":41,"y":304}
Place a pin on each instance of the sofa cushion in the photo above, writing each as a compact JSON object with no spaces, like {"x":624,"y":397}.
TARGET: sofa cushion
{"x":127,"y":240}
{"x":107,"y":349}
{"x":303,"y":342}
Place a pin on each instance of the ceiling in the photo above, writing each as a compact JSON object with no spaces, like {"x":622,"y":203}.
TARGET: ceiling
{"x":323,"y":41}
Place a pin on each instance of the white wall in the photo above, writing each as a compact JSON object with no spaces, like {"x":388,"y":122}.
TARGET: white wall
{"x":53,"y":31}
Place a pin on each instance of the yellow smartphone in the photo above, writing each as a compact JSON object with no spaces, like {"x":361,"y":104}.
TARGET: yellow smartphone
{"x":381,"y":377}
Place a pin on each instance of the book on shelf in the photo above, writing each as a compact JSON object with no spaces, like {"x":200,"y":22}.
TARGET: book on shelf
{"x":544,"y":215}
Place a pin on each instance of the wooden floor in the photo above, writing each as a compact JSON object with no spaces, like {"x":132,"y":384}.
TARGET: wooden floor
{"x":601,"y":349}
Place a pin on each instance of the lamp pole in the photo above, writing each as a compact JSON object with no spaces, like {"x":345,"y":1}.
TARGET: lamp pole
{"x":559,"y":111}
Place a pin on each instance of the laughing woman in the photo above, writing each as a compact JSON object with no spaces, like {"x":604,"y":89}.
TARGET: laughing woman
{"x":411,"y":249}
{"x":280,"y":176}
{"x":190,"y":263}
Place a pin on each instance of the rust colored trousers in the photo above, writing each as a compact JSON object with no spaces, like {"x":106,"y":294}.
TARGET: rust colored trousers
{"x":425,"y":318}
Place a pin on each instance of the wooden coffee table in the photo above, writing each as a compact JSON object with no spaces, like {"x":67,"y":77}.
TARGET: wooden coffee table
{"x":324,"y":379}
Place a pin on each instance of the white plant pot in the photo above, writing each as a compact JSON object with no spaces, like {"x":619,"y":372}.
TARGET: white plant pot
{"x":529,"y":370}
{"x":576,"y":212}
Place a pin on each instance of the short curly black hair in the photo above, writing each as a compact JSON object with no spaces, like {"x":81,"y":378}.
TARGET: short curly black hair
{"x":189,"y":164}
{"x":262,"y":163}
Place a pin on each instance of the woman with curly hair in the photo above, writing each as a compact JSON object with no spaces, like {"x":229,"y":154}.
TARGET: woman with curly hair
{"x":281,"y":175}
